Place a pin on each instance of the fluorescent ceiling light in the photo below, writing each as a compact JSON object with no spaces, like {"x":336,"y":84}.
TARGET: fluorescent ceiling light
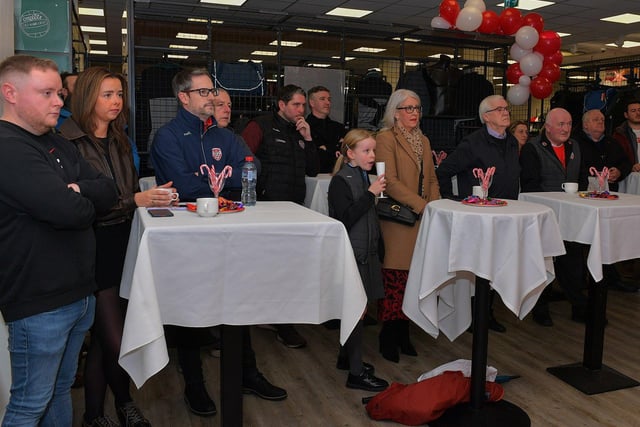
{"x":626,"y":44}
{"x":411,"y":64}
{"x":569,"y":67}
{"x":204,"y":21}
{"x":346,"y":58}
{"x":89,"y":29}
{"x":225,"y":2}
{"x":124,"y":14}
{"x":272,"y":80}
{"x":90,"y":11}
{"x":530,"y":4}
{"x":497,"y":77}
{"x":407,"y":39}
{"x":182,"y":46}
{"x":98,"y":52}
{"x":625,"y":18}
{"x":257,"y":61}
{"x":438,"y":55}
{"x":317,"y":65}
{"x":286,"y":43}
{"x":349,"y":13}
{"x":563,"y":34}
{"x":578,"y":77}
{"x":100,"y":42}
{"x":173,"y":56}
{"x":369,"y":49}
{"x":192,"y":36}
{"x":264,"y":53}
{"x":124,"y":31}
{"x":311,"y":30}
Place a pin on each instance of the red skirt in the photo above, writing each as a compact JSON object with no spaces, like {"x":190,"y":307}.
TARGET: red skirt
{"x":390,"y":307}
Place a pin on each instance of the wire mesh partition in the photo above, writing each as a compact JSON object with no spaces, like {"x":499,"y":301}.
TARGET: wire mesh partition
{"x":250,"y":60}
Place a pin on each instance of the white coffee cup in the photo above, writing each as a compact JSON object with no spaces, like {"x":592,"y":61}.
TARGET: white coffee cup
{"x":207,"y":206}
{"x":174,"y":194}
{"x":570,"y":187}
{"x":476,"y":190}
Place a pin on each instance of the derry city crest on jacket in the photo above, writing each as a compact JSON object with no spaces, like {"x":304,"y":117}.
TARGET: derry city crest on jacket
{"x":216,"y":153}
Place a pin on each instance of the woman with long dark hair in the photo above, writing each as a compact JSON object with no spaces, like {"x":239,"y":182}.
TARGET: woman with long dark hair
{"x":97,"y":128}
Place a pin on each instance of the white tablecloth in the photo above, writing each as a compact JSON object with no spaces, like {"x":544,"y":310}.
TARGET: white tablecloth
{"x":317,"y":189}
{"x":631,"y":184}
{"x":511,"y":246}
{"x":611,"y":227}
{"x":276,"y":262}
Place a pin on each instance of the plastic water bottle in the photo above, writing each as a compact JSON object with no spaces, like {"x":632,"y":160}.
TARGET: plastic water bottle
{"x":249,"y":178}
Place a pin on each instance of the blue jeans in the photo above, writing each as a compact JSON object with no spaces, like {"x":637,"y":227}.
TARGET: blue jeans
{"x":44,"y":352}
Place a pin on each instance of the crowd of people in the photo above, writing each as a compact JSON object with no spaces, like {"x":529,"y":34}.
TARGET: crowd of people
{"x":73,"y":212}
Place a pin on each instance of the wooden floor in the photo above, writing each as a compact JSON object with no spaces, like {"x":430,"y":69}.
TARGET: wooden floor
{"x":318,"y":396}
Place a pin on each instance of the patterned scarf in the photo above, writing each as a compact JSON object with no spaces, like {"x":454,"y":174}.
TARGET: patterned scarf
{"x":414,"y":137}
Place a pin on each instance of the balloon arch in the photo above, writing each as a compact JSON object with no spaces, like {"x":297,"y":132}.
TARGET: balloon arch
{"x":536,"y":51}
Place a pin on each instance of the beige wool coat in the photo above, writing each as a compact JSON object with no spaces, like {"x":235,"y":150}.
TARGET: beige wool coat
{"x":403,"y":172}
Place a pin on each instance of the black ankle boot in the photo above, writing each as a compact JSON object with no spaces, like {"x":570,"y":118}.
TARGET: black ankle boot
{"x":388,"y":341}
{"x":404,"y":339}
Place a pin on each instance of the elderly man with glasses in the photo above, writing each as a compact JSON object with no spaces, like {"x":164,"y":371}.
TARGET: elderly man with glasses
{"x":490,"y":146}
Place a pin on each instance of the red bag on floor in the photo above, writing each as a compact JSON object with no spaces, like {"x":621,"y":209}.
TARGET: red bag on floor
{"x":422,"y":402}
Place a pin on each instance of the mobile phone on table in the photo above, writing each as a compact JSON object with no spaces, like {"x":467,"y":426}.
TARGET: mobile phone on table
{"x":160,"y":213}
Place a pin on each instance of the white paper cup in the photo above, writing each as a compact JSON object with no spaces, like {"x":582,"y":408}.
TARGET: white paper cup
{"x":570,"y":187}
{"x":207,"y":206}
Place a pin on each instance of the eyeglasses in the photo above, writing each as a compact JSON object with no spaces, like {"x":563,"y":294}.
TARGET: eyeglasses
{"x":410,"y":108}
{"x":499,"y":110}
{"x":203,"y":91}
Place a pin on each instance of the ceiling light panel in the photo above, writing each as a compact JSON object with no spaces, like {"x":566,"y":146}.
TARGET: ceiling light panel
{"x":225,"y":2}
{"x":285,"y":43}
{"x":530,"y":4}
{"x":349,"y":13}
{"x":192,"y":36}
{"x":369,"y":49}
{"x":625,"y":18}
{"x":89,"y":11}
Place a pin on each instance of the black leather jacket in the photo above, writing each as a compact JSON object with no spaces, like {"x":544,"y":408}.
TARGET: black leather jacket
{"x":123,"y":173}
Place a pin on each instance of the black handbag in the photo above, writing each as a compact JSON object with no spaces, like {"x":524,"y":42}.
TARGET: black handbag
{"x":391,"y":210}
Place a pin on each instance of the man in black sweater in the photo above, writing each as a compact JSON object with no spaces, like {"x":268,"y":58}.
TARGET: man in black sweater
{"x":49,"y":197}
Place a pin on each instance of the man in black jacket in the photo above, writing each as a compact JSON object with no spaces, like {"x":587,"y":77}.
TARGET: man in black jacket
{"x":327,"y":134}
{"x":489,"y":146}
{"x":547,"y":161}
{"x":283,"y":143}
{"x":49,"y":197}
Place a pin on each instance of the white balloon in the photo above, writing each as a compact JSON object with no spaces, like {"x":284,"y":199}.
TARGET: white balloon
{"x":469,"y":19}
{"x":518,"y":94}
{"x":440,"y":22}
{"x":527,"y":37}
{"x":478,"y":4}
{"x":524,"y":81}
{"x":517,"y":52}
{"x":531,"y":64}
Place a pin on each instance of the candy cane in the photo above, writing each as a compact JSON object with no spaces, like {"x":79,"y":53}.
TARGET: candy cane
{"x":602,"y":176}
{"x":484,"y":177}
{"x":439,"y":156}
{"x":216,"y":181}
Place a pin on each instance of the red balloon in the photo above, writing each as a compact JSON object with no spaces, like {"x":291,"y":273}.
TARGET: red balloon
{"x":490,"y":22}
{"x":548,"y":43}
{"x":449,"y":10}
{"x":550,"y":71}
{"x":556,"y":57}
{"x":510,"y":20}
{"x":534,"y":20}
{"x":540,"y":87}
{"x":514,"y":73}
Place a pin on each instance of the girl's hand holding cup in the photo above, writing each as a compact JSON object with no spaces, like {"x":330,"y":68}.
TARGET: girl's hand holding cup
{"x":379,"y":185}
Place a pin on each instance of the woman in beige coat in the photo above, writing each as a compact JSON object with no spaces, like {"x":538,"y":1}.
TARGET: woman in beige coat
{"x":407,"y":154}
